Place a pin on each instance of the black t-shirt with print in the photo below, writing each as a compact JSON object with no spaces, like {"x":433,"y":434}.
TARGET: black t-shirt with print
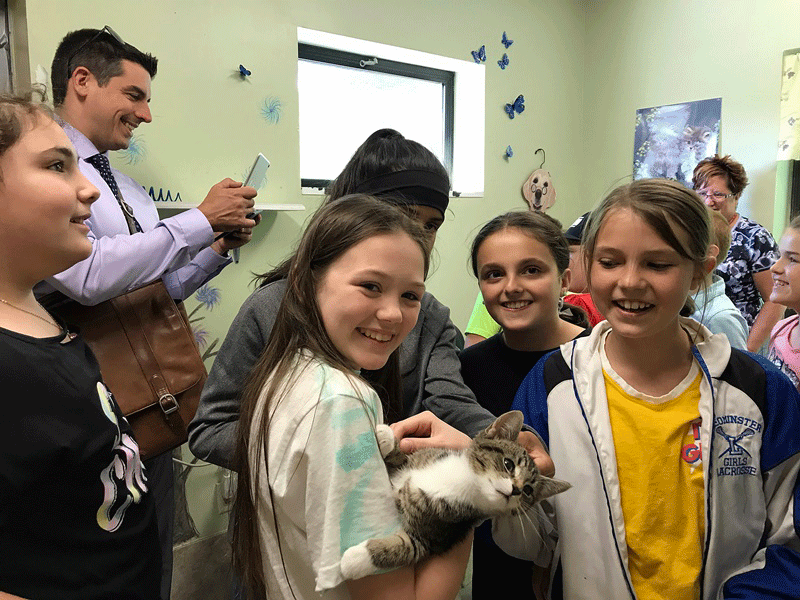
{"x":76,"y":520}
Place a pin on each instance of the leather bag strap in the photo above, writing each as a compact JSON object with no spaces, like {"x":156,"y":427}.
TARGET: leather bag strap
{"x":146,"y":357}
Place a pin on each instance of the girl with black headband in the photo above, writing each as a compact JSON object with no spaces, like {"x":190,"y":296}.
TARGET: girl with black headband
{"x":407,"y":174}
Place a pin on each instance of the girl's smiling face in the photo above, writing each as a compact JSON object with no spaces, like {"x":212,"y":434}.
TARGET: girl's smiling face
{"x":786,"y":272}
{"x":637,"y":280}
{"x":519,"y":280}
{"x":369,"y":298}
{"x":46,"y":197}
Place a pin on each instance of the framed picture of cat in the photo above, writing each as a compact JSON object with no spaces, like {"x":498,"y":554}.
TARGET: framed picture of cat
{"x":670,"y":140}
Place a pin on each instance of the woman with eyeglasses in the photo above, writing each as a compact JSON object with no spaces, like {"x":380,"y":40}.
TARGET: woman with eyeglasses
{"x":720,"y":181}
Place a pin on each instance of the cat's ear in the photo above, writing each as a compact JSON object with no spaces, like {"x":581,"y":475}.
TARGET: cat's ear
{"x":505,"y":427}
{"x":550,"y":487}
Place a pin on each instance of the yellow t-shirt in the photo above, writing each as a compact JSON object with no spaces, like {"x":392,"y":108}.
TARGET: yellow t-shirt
{"x":657,"y":442}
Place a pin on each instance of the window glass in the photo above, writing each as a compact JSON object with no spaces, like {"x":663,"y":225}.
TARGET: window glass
{"x":340,"y":106}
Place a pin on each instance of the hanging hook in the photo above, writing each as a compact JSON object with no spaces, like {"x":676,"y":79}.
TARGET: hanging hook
{"x":543,"y":156}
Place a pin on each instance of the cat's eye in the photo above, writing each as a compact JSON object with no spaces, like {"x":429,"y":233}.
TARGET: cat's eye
{"x":527,"y":490}
{"x":509,"y":465}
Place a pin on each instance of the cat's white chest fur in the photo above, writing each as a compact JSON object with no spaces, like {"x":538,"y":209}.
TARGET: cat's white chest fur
{"x":451,"y":478}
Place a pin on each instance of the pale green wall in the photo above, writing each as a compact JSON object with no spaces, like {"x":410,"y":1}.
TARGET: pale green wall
{"x":206,"y":124}
{"x":648,"y":53}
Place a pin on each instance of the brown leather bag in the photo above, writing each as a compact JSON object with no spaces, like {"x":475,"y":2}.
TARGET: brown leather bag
{"x":148,"y":358}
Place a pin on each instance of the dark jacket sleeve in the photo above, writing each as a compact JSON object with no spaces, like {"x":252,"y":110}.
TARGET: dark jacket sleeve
{"x":212,"y":433}
{"x":445,"y":394}
{"x":779,"y":574}
{"x":531,"y":398}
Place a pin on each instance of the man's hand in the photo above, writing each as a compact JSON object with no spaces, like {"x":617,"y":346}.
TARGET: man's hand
{"x":227,"y":205}
{"x":426,"y":430}
{"x":533,"y":445}
{"x":234,"y":239}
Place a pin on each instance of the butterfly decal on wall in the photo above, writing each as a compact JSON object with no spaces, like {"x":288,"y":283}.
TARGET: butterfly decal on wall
{"x":503,"y":62}
{"x":509,"y":152}
{"x":516,"y":107}
{"x":505,"y":41}
{"x":243,"y":71}
{"x":479,"y":55}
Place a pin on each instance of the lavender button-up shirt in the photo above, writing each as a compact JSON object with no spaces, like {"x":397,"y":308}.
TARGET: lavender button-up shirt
{"x":176,"y":249}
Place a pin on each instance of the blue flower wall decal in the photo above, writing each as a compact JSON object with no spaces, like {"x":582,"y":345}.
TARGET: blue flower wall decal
{"x":271,"y":110}
{"x":135,"y":152}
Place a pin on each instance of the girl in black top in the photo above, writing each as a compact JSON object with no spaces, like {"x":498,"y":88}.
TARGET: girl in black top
{"x":521,"y":260}
{"x":76,"y":520}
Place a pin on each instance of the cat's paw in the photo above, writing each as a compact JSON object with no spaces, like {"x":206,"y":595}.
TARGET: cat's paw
{"x":356,"y":562}
{"x":386,"y":439}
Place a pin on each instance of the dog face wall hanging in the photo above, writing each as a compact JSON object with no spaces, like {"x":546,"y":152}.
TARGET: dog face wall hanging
{"x":538,"y":190}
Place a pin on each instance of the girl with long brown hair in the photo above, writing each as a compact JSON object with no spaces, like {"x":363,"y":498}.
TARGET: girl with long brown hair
{"x":311,"y":479}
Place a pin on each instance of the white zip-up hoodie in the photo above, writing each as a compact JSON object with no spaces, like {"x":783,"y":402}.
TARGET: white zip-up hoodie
{"x":751,"y":548}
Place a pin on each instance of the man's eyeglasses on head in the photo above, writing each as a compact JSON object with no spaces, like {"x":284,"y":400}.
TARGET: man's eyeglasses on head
{"x":105,"y":30}
{"x":713,"y":194}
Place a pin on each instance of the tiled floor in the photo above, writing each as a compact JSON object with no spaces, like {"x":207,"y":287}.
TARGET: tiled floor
{"x":202,"y":569}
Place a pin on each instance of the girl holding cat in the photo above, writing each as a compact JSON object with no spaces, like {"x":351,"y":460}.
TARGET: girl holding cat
{"x":312,"y":482}
{"x":521,"y":260}
{"x":683,"y":453}
{"x":76,"y":517}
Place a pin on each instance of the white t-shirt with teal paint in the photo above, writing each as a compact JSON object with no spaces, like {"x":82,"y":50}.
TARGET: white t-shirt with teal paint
{"x":329,"y":484}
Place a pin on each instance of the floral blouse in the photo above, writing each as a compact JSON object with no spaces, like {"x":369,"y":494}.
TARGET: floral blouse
{"x":752,"y":250}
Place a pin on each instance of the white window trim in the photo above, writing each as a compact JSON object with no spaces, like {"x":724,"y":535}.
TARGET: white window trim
{"x":470,"y":106}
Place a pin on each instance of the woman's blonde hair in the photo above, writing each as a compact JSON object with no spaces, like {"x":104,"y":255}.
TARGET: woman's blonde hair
{"x":720,"y":234}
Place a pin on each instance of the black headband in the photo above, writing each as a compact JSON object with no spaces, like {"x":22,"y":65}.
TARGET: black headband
{"x":424,"y":188}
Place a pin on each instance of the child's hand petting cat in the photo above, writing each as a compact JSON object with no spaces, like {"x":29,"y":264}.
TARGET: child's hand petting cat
{"x":426,"y":430}
{"x":533,"y":445}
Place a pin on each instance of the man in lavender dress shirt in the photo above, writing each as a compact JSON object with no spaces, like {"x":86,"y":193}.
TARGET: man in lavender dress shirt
{"x":101,"y":91}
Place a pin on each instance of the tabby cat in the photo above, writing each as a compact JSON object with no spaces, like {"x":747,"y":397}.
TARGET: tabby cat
{"x":442,"y":494}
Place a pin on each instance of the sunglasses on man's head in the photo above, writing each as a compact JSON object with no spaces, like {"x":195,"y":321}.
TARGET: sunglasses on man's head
{"x":105,"y":30}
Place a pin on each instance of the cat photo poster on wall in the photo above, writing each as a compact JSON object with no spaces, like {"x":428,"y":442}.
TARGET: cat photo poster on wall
{"x":670,"y":140}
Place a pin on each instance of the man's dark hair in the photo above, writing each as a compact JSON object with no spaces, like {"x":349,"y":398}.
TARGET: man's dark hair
{"x":103,"y":57}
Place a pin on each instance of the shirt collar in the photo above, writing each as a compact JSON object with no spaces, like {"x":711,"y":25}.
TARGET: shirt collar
{"x":83,"y":146}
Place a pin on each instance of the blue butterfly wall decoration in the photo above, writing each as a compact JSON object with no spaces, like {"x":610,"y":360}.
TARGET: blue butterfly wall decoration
{"x":479,"y":55}
{"x":509,"y":152}
{"x":505,"y":41}
{"x":243,"y":71}
{"x":503,"y":62}
{"x":516,"y":107}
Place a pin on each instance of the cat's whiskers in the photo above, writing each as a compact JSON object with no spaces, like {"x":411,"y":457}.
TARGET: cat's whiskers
{"x":534,"y":523}
{"x":522,"y":527}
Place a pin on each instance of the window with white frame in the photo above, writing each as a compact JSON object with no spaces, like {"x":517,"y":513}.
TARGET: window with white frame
{"x":349,"y":88}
